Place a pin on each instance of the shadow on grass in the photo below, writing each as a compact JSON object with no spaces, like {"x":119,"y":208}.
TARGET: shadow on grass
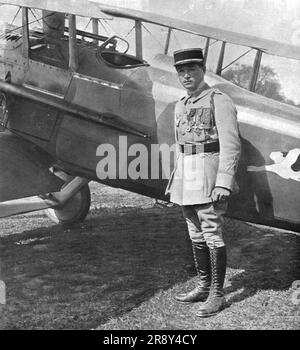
{"x":269,"y":259}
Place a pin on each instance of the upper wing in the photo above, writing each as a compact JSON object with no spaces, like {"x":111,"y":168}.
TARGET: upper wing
{"x":267,"y":46}
{"x":91,"y":9}
{"x":75,"y":7}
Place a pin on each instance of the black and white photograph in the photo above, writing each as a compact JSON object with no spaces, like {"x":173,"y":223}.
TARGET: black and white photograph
{"x":149,"y":167}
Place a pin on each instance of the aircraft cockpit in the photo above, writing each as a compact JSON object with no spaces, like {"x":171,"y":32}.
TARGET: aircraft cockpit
{"x":50,"y":45}
{"x":54,"y":39}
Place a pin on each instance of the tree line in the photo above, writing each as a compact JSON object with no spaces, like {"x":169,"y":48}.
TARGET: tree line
{"x":268,"y":84}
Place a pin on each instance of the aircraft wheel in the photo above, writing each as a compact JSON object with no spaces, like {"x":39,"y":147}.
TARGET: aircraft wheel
{"x":75,"y":210}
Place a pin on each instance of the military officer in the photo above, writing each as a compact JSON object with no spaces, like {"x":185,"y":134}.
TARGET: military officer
{"x":208,"y":150}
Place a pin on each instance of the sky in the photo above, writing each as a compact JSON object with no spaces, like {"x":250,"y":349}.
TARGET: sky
{"x":271,"y":19}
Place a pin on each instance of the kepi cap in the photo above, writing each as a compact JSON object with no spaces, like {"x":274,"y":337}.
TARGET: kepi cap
{"x":185,"y":56}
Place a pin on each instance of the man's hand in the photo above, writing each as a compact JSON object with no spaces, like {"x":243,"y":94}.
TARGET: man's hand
{"x":220,"y":194}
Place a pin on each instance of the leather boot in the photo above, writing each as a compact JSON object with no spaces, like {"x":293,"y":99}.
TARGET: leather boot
{"x":216,"y":300}
{"x":201,"y":291}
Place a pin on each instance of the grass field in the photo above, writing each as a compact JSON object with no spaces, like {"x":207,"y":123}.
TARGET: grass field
{"x":121,"y":267}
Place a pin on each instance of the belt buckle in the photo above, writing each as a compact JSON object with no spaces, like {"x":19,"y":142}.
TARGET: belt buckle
{"x":188,"y":149}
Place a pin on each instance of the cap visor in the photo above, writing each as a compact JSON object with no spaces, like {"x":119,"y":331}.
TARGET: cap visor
{"x":190,"y":60}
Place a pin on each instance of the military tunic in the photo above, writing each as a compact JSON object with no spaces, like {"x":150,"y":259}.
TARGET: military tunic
{"x":207,"y":118}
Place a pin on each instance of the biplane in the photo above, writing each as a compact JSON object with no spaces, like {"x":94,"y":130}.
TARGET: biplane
{"x":65,"y":91}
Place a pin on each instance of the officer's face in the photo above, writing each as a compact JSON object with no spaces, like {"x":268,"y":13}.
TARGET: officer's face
{"x":190,"y":76}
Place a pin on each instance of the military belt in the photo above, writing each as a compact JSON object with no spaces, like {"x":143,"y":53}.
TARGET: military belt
{"x":189,"y":149}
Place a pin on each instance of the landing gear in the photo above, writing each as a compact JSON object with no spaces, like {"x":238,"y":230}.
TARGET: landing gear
{"x":75,"y":199}
{"x":75,"y":210}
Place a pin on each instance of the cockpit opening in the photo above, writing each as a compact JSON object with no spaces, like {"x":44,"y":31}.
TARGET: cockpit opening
{"x":114,"y":53}
{"x":120,"y":60}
